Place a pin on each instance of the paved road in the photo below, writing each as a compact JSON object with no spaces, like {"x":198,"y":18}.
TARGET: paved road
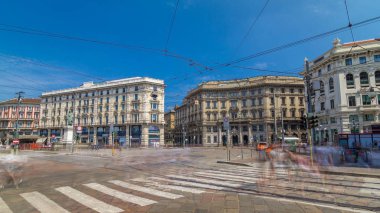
{"x":179,"y":180}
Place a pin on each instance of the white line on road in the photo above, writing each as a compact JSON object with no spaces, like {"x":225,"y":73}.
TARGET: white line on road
{"x":227,"y":177}
{"x":42,"y":203}
{"x":121,"y":195}
{"x":145,"y":190}
{"x":223,"y":183}
{"x":178,"y":188}
{"x":88,"y":201}
{"x":185,"y":183}
{"x":4,"y":207}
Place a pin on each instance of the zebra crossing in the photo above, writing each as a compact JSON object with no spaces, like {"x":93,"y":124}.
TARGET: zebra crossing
{"x":150,"y":190}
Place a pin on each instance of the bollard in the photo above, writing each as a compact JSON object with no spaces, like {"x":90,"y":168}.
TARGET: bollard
{"x":241,"y":152}
{"x":251,"y":153}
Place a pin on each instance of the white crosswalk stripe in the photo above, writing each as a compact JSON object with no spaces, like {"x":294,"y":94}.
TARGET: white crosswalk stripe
{"x":227,"y":177}
{"x":88,"y":201}
{"x":186,"y":183}
{"x":145,"y":190}
{"x":42,"y":203}
{"x":4,"y":208}
{"x":178,"y":188}
{"x":121,"y":195}
{"x":223,"y":183}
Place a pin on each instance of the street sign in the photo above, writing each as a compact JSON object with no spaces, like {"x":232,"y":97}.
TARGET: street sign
{"x":226,"y":123}
{"x":16,"y":141}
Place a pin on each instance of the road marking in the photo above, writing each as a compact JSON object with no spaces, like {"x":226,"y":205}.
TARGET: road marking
{"x":121,"y":195}
{"x":42,"y":203}
{"x":223,"y":183}
{"x":178,"y":188}
{"x":316,"y":204}
{"x":199,"y":185}
{"x":88,"y":201}
{"x":4,"y":208}
{"x":145,"y":190}
{"x":227,"y":177}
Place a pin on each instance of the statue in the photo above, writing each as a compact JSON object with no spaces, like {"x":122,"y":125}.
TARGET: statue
{"x":70,"y":118}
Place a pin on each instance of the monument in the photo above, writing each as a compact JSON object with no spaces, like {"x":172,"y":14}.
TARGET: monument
{"x":69,"y":130}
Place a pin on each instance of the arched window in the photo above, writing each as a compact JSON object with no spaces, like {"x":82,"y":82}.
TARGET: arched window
{"x":377,"y":78}
{"x":364,"y":79}
{"x":322,"y":87}
{"x":350,"y":81}
{"x":331,"y":84}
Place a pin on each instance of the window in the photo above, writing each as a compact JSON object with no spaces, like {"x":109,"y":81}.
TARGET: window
{"x":208,"y":139}
{"x":107,"y":108}
{"x":364,"y":79}
{"x":282,"y":90}
{"x":328,"y":67}
{"x":101,"y":100}
{"x":123,"y":99}
{"x":292,"y":101}
{"x":353,"y":118}
{"x":378,"y":99}
{"x":115,"y":119}
{"x":331,"y":85}
{"x":271,"y":101}
{"x":135,"y":106}
{"x":376,"y":58}
{"x":319,"y":73}
{"x":100,"y":120}
{"x":153,"y":106}
{"x":260,"y":114}
{"x":300,"y":91}
{"x":322,"y":87}
{"x":234,"y":103}
{"x":136,"y":88}
{"x":223,"y":104}
{"x":154,"y":88}
{"x":368,"y":117}
{"x":332,"y":120}
{"x":261,"y":128}
{"x":117,"y":98}
{"x":259,"y":91}
{"x":100,"y":108}
{"x":322,"y":106}
{"x":348,"y":61}
{"x":350,"y":81}
{"x":106,"y":119}
{"x":244,"y":103}
{"x":116,"y":107}
{"x":366,"y":100}
{"x":215,"y":105}
{"x":136,"y":97}
{"x":292,"y":90}
{"x":283,"y":100}
{"x":135,"y":117}
{"x":351,"y":101}
{"x":271,"y":90}
{"x":108,"y":92}
{"x":272,"y":113}
{"x":377,"y":78}
{"x":293,"y":113}
{"x":300,"y":100}
{"x":362,"y":60}
{"x":107,"y":100}
{"x":154,"y":118}
{"x":253,"y":102}
{"x":208,"y":105}
{"x":332,"y":106}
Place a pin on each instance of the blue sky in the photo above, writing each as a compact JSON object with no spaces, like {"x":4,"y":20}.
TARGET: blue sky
{"x":207,"y":31}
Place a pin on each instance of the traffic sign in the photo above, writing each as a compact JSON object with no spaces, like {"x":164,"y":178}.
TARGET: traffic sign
{"x":16,"y":141}
{"x":79,"y":129}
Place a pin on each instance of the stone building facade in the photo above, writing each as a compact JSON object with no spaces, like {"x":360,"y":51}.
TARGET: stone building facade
{"x":345,"y":92}
{"x":134,"y":107}
{"x":28,"y":113}
{"x":169,"y":127}
{"x":251,"y":105}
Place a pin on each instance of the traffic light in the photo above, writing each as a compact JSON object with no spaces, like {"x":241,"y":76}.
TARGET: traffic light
{"x":313,"y":121}
{"x":304,"y":122}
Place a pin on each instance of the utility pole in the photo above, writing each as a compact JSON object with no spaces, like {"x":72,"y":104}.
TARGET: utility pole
{"x":275,"y":119}
{"x":74,"y":129}
{"x":19,"y":99}
{"x":282,"y":129}
{"x":309,"y":106}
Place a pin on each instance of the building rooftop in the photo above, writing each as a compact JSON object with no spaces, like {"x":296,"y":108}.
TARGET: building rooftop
{"x":106,"y":84}
{"x":24,"y":101}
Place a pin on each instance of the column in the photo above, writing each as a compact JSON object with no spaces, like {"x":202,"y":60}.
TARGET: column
{"x":49,"y":134}
{"x":145,"y":136}
{"x":95,"y":138}
{"x":220,"y":142}
{"x":250,"y":141}
{"x":127,"y":136}
{"x":240,"y":135}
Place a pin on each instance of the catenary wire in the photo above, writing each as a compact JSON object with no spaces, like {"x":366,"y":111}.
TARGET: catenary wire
{"x":171,"y":26}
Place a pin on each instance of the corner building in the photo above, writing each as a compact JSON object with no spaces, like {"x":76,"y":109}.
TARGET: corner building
{"x":251,"y":105}
{"x":345,"y":89}
{"x":133,"y":106}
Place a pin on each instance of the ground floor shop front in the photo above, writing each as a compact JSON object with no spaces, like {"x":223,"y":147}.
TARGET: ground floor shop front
{"x":125,"y":135}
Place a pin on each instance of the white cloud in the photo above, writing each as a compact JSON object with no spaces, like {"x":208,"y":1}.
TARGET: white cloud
{"x":261,"y":65}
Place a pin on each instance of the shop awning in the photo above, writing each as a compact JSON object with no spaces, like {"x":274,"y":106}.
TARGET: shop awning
{"x":41,"y":140}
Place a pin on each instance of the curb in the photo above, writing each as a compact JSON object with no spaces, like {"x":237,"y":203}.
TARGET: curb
{"x":321,"y":171}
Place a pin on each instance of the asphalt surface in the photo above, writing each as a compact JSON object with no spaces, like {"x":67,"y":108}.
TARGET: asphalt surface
{"x":176,"y":180}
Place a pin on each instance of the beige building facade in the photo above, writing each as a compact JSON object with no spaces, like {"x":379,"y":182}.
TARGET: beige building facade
{"x":132,"y":108}
{"x":251,"y":105}
{"x":28,"y":114}
{"x":169,"y":127}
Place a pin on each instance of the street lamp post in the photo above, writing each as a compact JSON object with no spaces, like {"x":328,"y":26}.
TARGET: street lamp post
{"x":16,"y":136}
